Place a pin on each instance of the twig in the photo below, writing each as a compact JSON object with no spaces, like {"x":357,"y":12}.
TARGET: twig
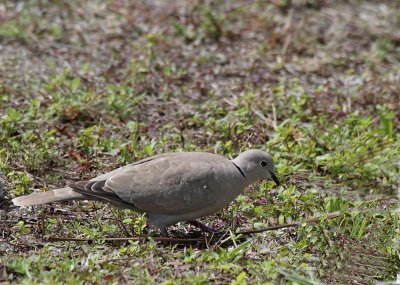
{"x":291,"y":225}
{"x":199,"y":240}
{"x":258,"y":112}
{"x":162,"y":239}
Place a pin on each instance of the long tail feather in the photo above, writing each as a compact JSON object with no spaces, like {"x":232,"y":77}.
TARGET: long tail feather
{"x":62,"y":194}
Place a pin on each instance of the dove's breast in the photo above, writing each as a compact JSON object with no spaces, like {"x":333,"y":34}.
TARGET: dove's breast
{"x":205,"y":196}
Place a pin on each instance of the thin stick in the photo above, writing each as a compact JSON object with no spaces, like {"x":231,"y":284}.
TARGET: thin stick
{"x":162,"y":239}
{"x":291,"y":225}
{"x":199,"y":240}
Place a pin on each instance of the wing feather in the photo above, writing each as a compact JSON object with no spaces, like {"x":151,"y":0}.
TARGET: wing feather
{"x":167,"y":185}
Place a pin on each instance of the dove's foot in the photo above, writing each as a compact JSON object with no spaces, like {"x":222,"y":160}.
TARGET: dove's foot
{"x":204,"y":227}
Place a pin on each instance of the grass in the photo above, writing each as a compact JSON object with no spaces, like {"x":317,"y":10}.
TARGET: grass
{"x":88,"y":87}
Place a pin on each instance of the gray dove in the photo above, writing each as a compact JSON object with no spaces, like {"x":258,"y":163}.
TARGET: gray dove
{"x":169,"y":188}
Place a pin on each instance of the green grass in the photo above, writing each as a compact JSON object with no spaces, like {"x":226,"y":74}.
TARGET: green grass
{"x":222,"y":79}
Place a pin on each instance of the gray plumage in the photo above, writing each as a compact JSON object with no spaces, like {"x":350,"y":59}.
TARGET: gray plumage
{"x":169,"y":188}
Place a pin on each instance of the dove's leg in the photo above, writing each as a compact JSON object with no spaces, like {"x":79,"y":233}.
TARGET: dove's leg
{"x":164,"y":232}
{"x":203,"y":227}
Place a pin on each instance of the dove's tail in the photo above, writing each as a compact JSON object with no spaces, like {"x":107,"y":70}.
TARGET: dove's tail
{"x":62,"y":194}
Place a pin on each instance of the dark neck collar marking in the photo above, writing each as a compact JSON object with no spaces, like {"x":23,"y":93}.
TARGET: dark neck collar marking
{"x":240,"y":170}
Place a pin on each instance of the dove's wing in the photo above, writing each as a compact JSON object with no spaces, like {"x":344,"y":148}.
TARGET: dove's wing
{"x":171,"y":185}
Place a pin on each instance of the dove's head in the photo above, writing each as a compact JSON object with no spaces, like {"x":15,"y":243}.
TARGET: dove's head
{"x":256,"y":165}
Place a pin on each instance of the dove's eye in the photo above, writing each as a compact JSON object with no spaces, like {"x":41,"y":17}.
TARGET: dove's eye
{"x":263,"y":163}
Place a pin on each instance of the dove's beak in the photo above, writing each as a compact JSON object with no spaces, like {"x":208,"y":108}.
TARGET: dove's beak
{"x":274,"y":178}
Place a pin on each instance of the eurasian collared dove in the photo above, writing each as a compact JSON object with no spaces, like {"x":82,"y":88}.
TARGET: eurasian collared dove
{"x":168,"y":188}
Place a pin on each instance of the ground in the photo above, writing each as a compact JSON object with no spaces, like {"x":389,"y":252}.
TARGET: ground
{"x":87,"y":86}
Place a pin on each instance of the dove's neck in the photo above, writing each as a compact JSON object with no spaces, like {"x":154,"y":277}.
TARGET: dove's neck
{"x":244,"y":167}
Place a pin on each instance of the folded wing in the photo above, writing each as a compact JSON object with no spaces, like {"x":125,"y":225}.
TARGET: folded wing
{"x":167,"y":185}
